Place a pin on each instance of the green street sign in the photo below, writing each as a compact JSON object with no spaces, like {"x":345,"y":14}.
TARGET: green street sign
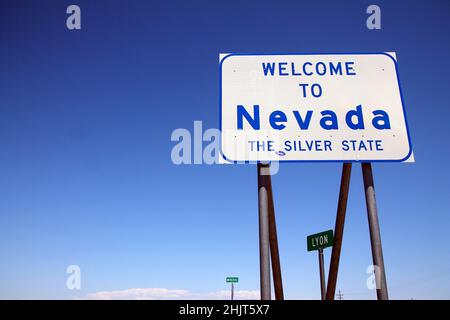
{"x":232,"y":279}
{"x":320,"y":240}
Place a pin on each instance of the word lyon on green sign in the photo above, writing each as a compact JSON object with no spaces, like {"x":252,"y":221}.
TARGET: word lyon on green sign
{"x":320,"y":240}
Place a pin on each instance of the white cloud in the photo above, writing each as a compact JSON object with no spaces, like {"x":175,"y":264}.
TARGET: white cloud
{"x":170,"y":294}
{"x":225,"y":295}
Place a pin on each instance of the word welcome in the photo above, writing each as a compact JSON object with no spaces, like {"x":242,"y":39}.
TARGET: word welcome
{"x":309,"y":68}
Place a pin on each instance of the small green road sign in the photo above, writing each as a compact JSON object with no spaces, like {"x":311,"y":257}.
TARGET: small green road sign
{"x":320,"y":240}
{"x":232,"y":279}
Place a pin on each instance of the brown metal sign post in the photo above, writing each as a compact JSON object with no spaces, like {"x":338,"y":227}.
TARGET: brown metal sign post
{"x":338,"y":230}
{"x":273,"y":238}
{"x":232,"y":291}
{"x":322,"y":274}
{"x":268,"y":240}
{"x":264,"y":249}
{"x":320,"y":241}
{"x":374,"y":228}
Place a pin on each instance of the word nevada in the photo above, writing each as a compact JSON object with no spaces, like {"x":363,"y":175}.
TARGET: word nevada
{"x":277,"y":119}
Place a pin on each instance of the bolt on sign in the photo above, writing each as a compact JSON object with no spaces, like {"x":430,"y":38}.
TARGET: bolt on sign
{"x":232,"y":279}
{"x":312,"y":107}
{"x":320,"y":240}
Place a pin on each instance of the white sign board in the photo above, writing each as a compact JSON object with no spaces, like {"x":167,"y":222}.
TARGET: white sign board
{"x":312,"y":107}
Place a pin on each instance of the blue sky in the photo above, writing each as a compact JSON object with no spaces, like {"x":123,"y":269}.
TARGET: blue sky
{"x":87,"y":178}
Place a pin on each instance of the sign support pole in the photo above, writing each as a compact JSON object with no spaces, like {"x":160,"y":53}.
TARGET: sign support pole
{"x":232,"y":291}
{"x":374,"y":228}
{"x":322,"y":274}
{"x":274,"y":253}
{"x":338,"y":230}
{"x":264,"y":249}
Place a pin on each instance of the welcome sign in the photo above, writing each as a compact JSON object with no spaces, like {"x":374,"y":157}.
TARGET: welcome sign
{"x":312,"y":107}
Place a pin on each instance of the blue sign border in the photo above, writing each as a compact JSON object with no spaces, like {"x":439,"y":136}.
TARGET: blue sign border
{"x":311,"y":54}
